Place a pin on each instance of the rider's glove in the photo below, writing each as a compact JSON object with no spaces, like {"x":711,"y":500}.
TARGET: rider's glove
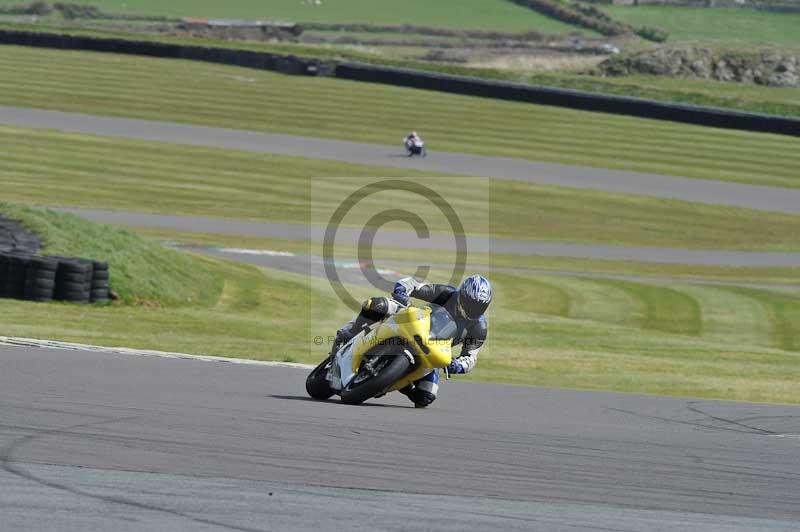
{"x":455,"y":367}
{"x":400,"y":295}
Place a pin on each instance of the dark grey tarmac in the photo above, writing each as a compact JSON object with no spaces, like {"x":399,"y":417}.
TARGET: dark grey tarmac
{"x":704,"y":191}
{"x":95,"y":441}
{"x":408,"y":240}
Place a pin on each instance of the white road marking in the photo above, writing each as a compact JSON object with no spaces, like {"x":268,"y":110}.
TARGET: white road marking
{"x":268,"y":252}
{"x":52,"y":344}
{"x":276,"y":253}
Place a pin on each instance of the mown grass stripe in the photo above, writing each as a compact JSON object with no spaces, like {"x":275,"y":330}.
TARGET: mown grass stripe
{"x":730,"y":317}
{"x":534,"y":296}
{"x":596,"y":300}
{"x":784,"y":312}
{"x":733,"y":169}
{"x":333,"y":108}
{"x":654,"y":145}
{"x":83,"y":170}
{"x":172,"y":67}
{"x":665,"y":309}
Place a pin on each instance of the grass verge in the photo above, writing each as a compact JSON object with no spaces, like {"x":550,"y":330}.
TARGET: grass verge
{"x":86,"y":171}
{"x":233,"y":97}
{"x":677,"y":339}
{"x":170,"y":300}
{"x":141,"y":270}
{"x":516,"y":67}
{"x":593,"y":333}
{"x":399,"y":258}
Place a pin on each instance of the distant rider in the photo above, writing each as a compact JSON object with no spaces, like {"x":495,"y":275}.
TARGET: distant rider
{"x":413,"y":140}
{"x":466,"y":304}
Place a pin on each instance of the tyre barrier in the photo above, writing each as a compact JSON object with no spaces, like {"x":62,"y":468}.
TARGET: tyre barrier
{"x":40,"y":279}
{"x":99,"y":285}
{"x":37,"y":278}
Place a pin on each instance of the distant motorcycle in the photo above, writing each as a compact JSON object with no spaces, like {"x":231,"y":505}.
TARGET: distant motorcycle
{"x":415,"y":147}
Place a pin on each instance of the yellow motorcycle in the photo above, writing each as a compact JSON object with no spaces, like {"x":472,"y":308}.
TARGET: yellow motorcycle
{"x":386,"y":357}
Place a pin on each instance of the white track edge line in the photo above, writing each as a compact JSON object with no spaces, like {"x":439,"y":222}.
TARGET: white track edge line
{"x":52,"y":344}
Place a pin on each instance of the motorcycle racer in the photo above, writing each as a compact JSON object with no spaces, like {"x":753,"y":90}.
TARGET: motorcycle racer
{"x":414,"y":144}
{"x":413,"y":138}
{"x":466,"y":304}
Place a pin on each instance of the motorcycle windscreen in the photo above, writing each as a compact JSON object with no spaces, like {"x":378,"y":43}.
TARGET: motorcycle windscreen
{"x":443,"y":326}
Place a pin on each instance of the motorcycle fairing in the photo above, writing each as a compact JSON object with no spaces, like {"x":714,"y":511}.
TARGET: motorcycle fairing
{"x":342,"y":372}
{"x":404,"y":329}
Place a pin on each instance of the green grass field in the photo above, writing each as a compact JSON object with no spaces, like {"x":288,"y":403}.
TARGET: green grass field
{"x":667,"y":337}
{"x":593,"y":333}
{"x":718,"y":24}
{"x":666,"y":329}
{"x":168,"y":298}
{"x":463,"y":14}
{"x":248,"y":99}
{"x":753,"y":98}
{"x":87,"y":171}
{"x":727,"y":28}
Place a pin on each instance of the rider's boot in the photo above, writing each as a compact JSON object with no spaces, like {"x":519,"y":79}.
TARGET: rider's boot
{"x":420,"y":398}
{"x":423,"y":392}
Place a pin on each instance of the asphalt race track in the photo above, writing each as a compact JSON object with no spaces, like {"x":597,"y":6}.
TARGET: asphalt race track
{"x":96,"y":441}
{"x":700,"y":190}
{"x":93,"y":441}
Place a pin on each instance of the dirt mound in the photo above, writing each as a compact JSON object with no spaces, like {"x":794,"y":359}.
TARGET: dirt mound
{"x":771,"y":68}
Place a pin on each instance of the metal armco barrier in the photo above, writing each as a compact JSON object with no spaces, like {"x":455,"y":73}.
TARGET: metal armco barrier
{"x":690,"y":114}
{"x":285,"y":64}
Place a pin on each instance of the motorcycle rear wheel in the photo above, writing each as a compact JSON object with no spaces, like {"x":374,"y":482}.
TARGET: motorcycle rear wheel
{"x":360,"y":389}
{"x":317,"y":384}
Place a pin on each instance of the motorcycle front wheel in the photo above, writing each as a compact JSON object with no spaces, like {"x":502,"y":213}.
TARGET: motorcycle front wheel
{"x":390,"y":367}
{"x":317,"y":384}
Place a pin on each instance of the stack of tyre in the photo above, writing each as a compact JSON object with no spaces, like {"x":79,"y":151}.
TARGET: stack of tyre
{"x":36,"y":278}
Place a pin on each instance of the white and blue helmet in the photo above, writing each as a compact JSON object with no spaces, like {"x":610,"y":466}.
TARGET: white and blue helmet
{"x":474,"y":296}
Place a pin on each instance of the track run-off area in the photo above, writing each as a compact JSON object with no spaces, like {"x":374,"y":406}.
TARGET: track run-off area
{"x":105,"y":441}
{"x":100,"y":441}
